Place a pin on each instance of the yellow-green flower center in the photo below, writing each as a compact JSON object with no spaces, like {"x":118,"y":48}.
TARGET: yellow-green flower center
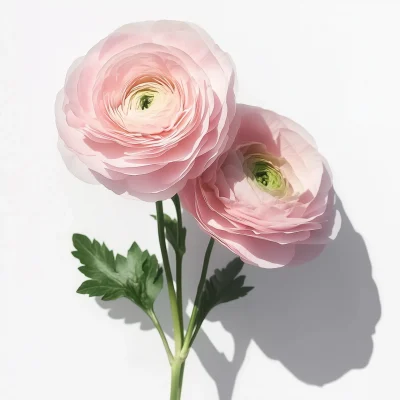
{"x":268,"y":176}
{"x":265,"y":171}
{"x":145,"y":101}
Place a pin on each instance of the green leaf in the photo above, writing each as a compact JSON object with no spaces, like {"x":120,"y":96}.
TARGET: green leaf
{"x":137,"y":277}
{"x":223,"y":286}
{"x":171,"y":233}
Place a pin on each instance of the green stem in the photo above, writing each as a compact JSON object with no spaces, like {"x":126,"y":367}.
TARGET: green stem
{"x":176,"y":379}
{"x":179,"y":256}
{"x":171,"y":290}
{"x":193,"y":318}
{"x":177,"y":205}
{"x":157,"y":324}
{"x":196,"y":331}
{"x":181,"y":379}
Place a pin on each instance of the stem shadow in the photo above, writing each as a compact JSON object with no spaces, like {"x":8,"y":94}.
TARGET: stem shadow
{"x":316,"y":319}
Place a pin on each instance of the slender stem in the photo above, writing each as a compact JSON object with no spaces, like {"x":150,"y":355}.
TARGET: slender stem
{"x":181,"y":379}
{"x":179,"y":291}
{"x":157,"y":324}
{"x":177,"y":204}
{"x":193,"y":318}
{"x":171,"y":290}
{"x":176,"y":379}
{"x":196,"y":331}
{"x":179,"y":256}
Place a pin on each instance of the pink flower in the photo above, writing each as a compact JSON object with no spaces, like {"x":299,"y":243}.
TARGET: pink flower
{"x":147,"y":108}
{"x":269,"y":199}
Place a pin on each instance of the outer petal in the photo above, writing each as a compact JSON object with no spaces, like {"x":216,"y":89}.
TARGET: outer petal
{"x":74,"y":165}
{"x":262,"y":229}
{"x":149,"y":156}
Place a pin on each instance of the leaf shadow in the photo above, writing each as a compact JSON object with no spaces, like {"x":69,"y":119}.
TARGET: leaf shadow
{"x":316,"y":319}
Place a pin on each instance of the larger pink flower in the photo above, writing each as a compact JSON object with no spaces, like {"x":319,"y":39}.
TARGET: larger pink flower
{"x":270,"y":198}
{"x":147,"y":108}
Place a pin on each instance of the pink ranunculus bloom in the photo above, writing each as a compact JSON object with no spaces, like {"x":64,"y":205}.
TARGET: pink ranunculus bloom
{"x":147,"y":108}
{"x":269,"y":199}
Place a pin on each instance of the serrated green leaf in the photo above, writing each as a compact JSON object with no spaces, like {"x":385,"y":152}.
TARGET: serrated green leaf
{"x":137,"y":276}
{"x":171,"y":233}
{"x":95,"y":288}
{"x":223,"y":286}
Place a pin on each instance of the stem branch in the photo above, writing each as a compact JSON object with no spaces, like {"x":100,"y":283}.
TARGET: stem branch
{"x":179,"y":256}
{"x":157,"y":324}
{"x":168,"y":274}
{"x":193,"y":318}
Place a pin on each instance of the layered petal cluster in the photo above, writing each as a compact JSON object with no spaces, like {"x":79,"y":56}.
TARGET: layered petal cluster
{"x":147,"y":108}
{"x":269,"y":199}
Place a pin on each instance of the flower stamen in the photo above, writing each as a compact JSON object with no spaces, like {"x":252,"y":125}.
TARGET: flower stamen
{"x":145,"y":101}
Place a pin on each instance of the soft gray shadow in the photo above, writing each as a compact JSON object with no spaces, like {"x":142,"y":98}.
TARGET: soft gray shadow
{"x":316,"y":319}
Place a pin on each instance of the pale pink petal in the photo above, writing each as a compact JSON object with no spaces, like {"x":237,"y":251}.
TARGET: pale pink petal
{"x":264,"y":228}
{"x":149,"y":152}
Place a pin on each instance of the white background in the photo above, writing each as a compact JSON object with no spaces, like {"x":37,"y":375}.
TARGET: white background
{"x":328,"y":330}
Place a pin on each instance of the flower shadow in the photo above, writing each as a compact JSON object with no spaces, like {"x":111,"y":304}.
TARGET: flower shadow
{"x":316,"y":319}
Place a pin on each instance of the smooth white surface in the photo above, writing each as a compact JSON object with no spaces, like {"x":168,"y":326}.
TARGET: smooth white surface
{"x":334,"y":67}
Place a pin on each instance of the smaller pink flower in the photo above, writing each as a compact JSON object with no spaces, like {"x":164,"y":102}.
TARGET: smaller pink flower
{"x":147,"y":108}
{"x":269,"y":199}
